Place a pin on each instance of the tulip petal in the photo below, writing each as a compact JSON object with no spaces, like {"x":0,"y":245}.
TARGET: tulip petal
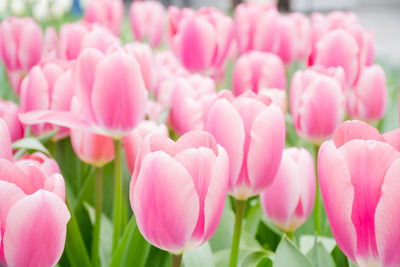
{"x":11,"y":173}
{"x":36,"y":230}
{"x":196,"y":139}
{"x":5,"y":142}
{"x":393,"y":138}
{"x":165,"y":202}
{"x":338,"y":194}
{"x":350,"y":130}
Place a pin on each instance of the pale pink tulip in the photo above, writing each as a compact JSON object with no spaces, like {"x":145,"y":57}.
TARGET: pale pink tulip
{"x":50,"y":43}
{"x":200,"y":40}
{"x":253,"y":135}
{"x":358,"y":174}
{"x":276,"y":96}
{"x":20,"y":47}
{"x":302,"y":44}
{"x":289,"y":200}
{"x":134,"y":140}
{"x":109,"y":13}
{"x":317,"y":104}
{"x":179,"y":193}
{"x":147,"y":20}
{"x":144,"y":56}
{"x":94,"y":149}
{"x":256,"y":70}
{"x":9,"y":113}
{"x":101,"y":38}
{"x":155,"y":111}
{"x":367,"y":100}
{"x":48,"y":86}
{"x":5,"y":142}
{"x":46,"y":164}
{"x":99,"y":81}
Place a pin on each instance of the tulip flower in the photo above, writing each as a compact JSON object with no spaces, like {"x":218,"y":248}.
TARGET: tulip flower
{"x":144,"y":56}
{"x":256,"y":70}
{"x":317,"y":104}
{"x":9,"y":113}
{"x":368,"y":99}
{"x":50,"y":43}
{"x":48,"y":86}
{"x":134,"y":140}
{"x":33,"y":214}
{"x":288,"y":202}
{"x":179,"y":193}
{"x":46,"y":164}
{"x":109,"y":13}
{"x":200,"y":40}
{"x":147,"y":20}
{"x":358,"y":174}
{"x":20,"y":54}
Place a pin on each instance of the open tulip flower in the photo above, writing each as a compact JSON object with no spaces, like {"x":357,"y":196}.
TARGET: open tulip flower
{"x":359,"y":180}
{"x":179,"y":193}
{"x":33,"y":215}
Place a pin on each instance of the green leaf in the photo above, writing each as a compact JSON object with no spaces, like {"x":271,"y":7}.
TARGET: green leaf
{"x":258,"y":259}
{"x":222,"y":237}
{"x":307,"y":243}
{"x":132,"y":249}
{"x":268,"y":235}
{"x":288,"y":255}
{"x":222,"y":257}
{"x":351,"y":264}
{"x":158,"y":257}
{"x":339,"y":258}
{"x":320,"y":257}
{"x":199,"y":257}
{"x":253,"y":217}
{"x":30,"y":143}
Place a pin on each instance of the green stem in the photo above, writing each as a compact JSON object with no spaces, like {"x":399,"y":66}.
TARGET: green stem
{"x":240,"y":209}
{"x":317,"y":209}
{"x":97,"y":223}
{"x":176,"y":260}
{"x":117,"y":193}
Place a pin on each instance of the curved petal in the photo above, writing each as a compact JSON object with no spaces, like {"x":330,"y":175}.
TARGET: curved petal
{"x":36,"y":230}
{"x":30,"y":46}
{"x":350,"y":130}
{"x":5,"y":142}
{"x":267,"y":140}
{"x":393,"y":138}
{"x":165,"y":202}
{"x":196,"y":139}
{"x":337,"y":193}
{"x":11,"y":173}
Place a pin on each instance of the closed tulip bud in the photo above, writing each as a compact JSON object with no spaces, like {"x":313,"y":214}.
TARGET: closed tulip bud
{"x":147,"y":20}
{"x":179,"y":193}
{"x":253,"y":135}
{"x":134,"y":140}
{"x":48,"y":86}
{"x":358,"y":176}
{"x":367,"y":100}
{"x":109,"y":13}
{"x":289,"y":200}
{"x":255,"y":70}
{"x":200,"y":40}
{"x":9,"y":113}
{"x":317,"y":104}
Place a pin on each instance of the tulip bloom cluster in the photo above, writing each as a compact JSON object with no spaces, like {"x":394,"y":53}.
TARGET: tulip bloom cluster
{"x":187,"y":152}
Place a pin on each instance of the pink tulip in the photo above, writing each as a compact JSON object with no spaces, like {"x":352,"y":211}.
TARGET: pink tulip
{"x":134,"y":140}
{"x":46,"y":164}
{"x":50,"y":43}
{"x":147,"y":20}
{"x":109,"y":13}
{"x":155,"y":111}
{"x":200,"y":40}
{"x":94,"y":149}
{"x":48,"y":86}
{"x":179,"y":193}
{"x":368,"y":99}
{"x":101,"y":38}
{"x":302,"y":46}
{"x":358,"y":174}
{"x":144,"y":56}
{"x":317,"y":104}
{"x":256,"y":70}
{"x":9,"y":113}
{"x":253,"y":135}
{"x":100,"y":80}
{"x":289,"y":200}
{"x":5,"y":142}
{"x":276,"y":96}
{"x":20,"y":47}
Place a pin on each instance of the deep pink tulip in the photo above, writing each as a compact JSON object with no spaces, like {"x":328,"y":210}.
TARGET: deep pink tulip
{"x":317,"y":104}
{"x":94,"y":149}
{"x":144,"y":56}
{"x":100,"y":80}
{"x":256,"y":70}
{"x":179,"y":193}
{"x":20,"y":47}
{"x":253,"y":135}
{"x":289,"y":200}
{"x":200,"y":40}
{"x":367,"y":100}
{"x":134,"y":140}
{"x":147,"y":20}
{"x":358,"y":174}
{"x":48,"y":86}
{"x":9,"y":113}
{"x":109,"y":13}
